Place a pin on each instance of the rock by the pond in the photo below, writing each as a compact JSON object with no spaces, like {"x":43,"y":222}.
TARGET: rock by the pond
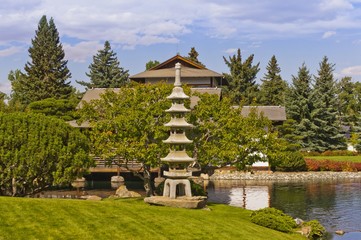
{"x":196,"y":202}
{"x":123,"y":192}
{"x":299,"y":221}
{"x":91,"y":197}
{"x":205,"y":176}
{"x":340,"y":232}
{"x":116,"y":181}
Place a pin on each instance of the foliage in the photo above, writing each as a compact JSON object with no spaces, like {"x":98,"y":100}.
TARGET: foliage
{"x":291,"y":162}
{"x":223,"y":137}
{"x":74,"y":219}
{"x":317,"y":230}
{"x":242,"y":87}
{"x":37,"y":152}
{"x":274,"y":219}
{"x":151,"y":64}
{"x":197,"y":190}
{"x":130,"y":124}
{"x":273,"y":87}
{"x":61,"y":108}
{"x":332,"y":165}
{"x":298,"y":109}
{"x":105,"y":71}
{"x":325,"y":126}
{"x":331,"y":153}
{"x":47,"y":72}
{"x":193,"y":56}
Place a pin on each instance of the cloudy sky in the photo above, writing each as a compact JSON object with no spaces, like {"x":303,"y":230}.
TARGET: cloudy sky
{"x":139,"y":31}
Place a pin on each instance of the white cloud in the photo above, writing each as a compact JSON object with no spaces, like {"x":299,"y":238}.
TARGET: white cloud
{"x":328,"y":34}
{"x":330,"y":5}
{"x":352,"y":71}
{"x":231,"y":50}
{"x":82,"y":51}
{"x":10,"y":51}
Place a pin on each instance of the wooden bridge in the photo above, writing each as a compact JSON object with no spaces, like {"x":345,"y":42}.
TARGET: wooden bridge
{"x":117,"y":164}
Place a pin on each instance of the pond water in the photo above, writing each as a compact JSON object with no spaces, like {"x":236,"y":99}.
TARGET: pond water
{"x":336,"y":204}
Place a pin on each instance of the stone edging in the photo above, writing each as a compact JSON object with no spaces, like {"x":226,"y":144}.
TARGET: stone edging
{"x":265,"y":175}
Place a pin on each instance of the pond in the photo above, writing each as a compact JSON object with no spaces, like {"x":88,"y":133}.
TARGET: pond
{"x":336,"y":204}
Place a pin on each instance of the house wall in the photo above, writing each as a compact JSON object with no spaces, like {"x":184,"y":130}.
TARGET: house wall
{"x":195,"y":81}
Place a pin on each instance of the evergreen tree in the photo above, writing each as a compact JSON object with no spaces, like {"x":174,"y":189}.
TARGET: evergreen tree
{"x":193,"y":56}
{"x":349,"y":109}
{"x":47,"y":72}
{"x":298,"y":109}
{"x":326,"y":127}
{"x":242,"y":87}
{"x":105,"y":71}
{"x":151,"y":64}
{"x":273,"y":87}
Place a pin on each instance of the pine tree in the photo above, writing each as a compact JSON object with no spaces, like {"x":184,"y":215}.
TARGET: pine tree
{"x":151,"y":64}
{"x":326,"y":127}
{"x":193,"y":56}
{"x":105,"y":71}
{"x":242,"y":87}
{"x":273,"y":87}
{"x":47,"y":73}
{"x":299,"y":107}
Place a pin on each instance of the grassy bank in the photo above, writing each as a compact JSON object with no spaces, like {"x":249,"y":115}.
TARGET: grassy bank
{"x":25,"y":218}
{"x":354,"y":159}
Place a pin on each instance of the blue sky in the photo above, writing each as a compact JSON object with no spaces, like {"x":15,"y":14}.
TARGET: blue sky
{"x":139,"y":31}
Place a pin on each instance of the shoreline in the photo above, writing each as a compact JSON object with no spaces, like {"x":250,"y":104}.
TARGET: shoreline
{"x":220,"y":174}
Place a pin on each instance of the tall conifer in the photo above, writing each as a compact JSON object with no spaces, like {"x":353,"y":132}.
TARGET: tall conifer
{"x":299,"y":107}
{"x":242,"y":87}
{"x":47,"y":72}
{"x":326,"y":127}
{"x":273,"y":87}
{"x":105,"y":71}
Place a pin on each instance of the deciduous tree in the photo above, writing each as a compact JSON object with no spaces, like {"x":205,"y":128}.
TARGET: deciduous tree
{"x":129,"y":124}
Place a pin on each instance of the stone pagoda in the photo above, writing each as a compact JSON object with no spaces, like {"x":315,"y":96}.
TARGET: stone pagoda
{"x":177,"y":188}
{"x":177,"y":182}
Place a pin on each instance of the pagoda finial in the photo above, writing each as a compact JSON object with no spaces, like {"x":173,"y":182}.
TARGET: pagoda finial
{"x":177,"y":82}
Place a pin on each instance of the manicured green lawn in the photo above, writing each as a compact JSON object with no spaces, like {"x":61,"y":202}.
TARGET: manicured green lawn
{"x":26,"y":218}
{"x":356,"y":159}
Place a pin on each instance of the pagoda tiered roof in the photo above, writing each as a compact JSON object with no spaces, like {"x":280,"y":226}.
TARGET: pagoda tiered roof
{"x":178,"y":123}
{"x":178,"y":108}
{"x":178,"y":138}
{"x":177,"y":157}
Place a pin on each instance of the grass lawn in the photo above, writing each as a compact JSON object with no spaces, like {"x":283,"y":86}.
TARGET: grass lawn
{"x":355,"y":159}
{"x":27,"y":218}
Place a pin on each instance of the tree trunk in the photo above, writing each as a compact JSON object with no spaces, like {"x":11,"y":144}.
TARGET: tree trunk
{"x":147,"y":181}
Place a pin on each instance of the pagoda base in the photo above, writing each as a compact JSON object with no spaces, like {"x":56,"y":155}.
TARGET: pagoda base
{"x":196,"y":202}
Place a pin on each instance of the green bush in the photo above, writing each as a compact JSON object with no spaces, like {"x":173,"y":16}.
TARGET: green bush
{"x":274,"y":219}
{"x":290,"y":162}
{"x":317,"y":230}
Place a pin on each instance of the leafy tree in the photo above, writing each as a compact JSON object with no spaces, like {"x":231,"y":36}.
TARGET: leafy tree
{"x":3,"y":105}
{"x":193,"y":56}
{"x":222,"y":136}
{"x":242,"y":87}
{"x":47,"y":72}
{"x":129,"y":124}
{"x":61,"y":108}
{"x":151,"y":64}
{"x":326,"y":127}
{"x":298,"y":109}
{"x":273,"y":87}
{"x":105,"y":71}
{"x":37,"y":152}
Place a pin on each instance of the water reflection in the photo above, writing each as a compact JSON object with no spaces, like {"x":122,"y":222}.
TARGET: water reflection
{"x":336,"y":204}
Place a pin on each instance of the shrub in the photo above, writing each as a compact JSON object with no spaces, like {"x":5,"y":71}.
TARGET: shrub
{"x":291,"y":162}
{"x":317,"y":230}
{"x":274,"y":219}
{"x":328,"y":165}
